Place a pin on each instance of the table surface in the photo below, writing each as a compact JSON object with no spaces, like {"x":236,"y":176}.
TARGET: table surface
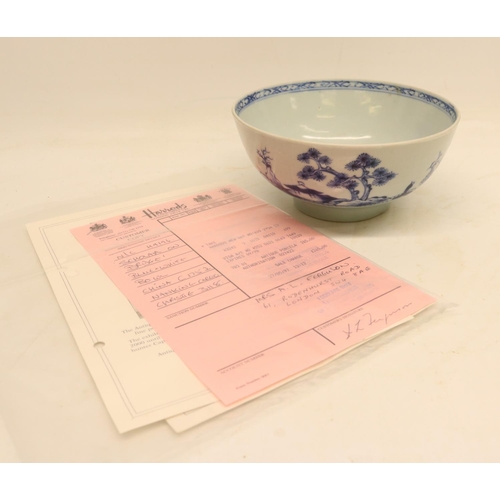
{"x":87,"y":122}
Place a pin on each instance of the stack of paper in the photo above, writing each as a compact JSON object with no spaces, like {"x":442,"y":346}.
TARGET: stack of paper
{"x":184,"y":308}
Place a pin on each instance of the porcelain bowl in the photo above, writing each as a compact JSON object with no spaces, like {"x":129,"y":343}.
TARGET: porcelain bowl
{"x":345,"y":149}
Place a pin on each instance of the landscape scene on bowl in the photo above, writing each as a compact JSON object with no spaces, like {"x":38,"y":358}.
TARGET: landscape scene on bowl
{"x":359,"y":178}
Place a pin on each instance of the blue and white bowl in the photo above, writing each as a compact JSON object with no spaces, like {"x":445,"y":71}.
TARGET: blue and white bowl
{"x":345,"y":149}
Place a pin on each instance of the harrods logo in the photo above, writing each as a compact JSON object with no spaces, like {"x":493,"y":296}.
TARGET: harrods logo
{"x":153,"y":214}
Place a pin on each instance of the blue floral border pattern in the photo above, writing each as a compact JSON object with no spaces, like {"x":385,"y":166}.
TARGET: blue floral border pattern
{"x":366,"y":174}
{"x":346,"y":84}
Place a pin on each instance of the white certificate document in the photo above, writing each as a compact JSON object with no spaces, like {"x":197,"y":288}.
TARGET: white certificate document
{"x":140,"y":379}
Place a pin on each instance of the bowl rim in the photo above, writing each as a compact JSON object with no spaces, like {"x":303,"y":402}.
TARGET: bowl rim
{"x":359,"y":145}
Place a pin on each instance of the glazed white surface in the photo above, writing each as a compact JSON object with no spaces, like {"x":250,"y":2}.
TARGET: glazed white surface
{"x":367,"y":148}
{"x":88,"y":123}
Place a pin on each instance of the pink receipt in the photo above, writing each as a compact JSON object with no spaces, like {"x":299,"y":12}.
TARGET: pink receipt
{"x":244,"y":294}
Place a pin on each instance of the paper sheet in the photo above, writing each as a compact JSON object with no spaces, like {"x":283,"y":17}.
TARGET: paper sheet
{"x":192,"y":418}
{"x":140,"y":379}
{"x":245,"y":295}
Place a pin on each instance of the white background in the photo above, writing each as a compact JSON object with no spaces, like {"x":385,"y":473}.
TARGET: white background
{"x":90,"y":122}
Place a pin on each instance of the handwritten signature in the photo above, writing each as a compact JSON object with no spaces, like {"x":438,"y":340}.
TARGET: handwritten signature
{"x":368,"y":320}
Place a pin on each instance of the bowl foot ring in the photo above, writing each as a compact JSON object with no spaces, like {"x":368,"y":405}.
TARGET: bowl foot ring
{"x":340,"y":214}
